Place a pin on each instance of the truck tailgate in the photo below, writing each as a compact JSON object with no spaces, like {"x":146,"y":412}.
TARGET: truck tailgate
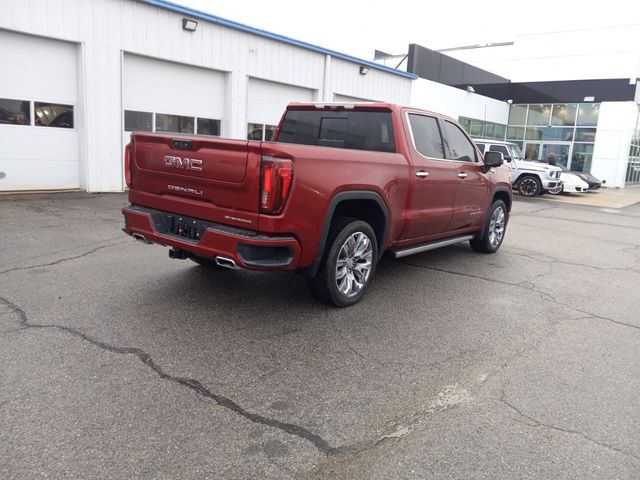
{"x":217,"y":179}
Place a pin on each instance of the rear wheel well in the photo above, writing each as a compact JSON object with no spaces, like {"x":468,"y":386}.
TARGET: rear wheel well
{"x":366,"y":210}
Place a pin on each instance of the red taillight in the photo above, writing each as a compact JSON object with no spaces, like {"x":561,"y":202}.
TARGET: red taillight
{"x":127,"y":164}
{"x":276,"y":178}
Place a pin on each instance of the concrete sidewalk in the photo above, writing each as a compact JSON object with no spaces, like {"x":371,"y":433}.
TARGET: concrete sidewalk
{"x":603,"y":197}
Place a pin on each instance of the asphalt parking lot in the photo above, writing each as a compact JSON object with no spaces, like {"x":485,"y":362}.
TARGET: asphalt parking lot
{"x":117,"y":362}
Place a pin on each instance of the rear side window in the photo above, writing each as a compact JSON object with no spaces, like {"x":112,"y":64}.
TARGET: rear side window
{"x":459,"y":147}
{"x":359,"y":130}
{"x":426,"y":135}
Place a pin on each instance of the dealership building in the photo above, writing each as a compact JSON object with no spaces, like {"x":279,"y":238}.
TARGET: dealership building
{"x":79,"y":76}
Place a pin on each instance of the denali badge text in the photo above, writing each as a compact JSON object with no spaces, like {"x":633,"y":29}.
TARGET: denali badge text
{"x":177,"y":188}
{"x":186,"y":163}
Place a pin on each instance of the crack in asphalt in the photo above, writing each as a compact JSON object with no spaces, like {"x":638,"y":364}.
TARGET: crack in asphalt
{"x":537,"y":423}
{"x":523,"y":286}
{"x":572,"y":264}
{"x":320,"y":443}
{"x":600,"y":317}
{"x":62,"y":260}
{"x":470,"y":275}
{"x":196,"y":386}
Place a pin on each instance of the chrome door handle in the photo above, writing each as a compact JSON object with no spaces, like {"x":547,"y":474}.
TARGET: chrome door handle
{"x":462,"y":175}
{"x":422,"y":173}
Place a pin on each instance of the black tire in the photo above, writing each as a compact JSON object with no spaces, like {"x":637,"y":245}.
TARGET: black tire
{"x":325,"y":285}
{"x":529,"y":186}
{"x":206,"y":262}
{"x":490,"y":239}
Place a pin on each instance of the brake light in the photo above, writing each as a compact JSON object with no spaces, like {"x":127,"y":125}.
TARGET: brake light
{"x":276,"y":178}
{"x":127,"y":164}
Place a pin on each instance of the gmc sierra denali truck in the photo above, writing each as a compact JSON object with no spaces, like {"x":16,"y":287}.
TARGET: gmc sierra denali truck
{"x":340,"y":185}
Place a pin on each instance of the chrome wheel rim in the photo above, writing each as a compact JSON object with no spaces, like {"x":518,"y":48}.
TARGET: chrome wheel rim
{"x":556,"y":190}
{"x":528,"y":187}
{"x":353,"y":266}
{"x":496,"y":226}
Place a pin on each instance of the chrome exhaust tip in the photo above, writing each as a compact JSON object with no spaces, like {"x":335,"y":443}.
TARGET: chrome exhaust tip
{"x":226,"y":263}
{"x":141,"y":238}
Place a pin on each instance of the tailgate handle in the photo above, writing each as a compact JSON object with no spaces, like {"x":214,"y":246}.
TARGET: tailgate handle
{"x":181,"y":144}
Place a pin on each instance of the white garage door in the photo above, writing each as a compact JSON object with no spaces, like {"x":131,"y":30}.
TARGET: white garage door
{"x":265,"y":104}
{"x":171,"y":97}
{"x":348,"y":99}
{"x":38,"y":111}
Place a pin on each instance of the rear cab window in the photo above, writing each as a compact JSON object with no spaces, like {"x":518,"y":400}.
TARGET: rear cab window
{"x":354,"y":129}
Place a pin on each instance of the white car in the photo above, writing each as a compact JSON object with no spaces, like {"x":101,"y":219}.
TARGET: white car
{"x":570,"y":183}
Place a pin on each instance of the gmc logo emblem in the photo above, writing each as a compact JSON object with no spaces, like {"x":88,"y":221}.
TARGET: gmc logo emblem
{"x":185,"y":163}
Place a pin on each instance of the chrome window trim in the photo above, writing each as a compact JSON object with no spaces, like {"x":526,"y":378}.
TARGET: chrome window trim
{"x":413,"y":140}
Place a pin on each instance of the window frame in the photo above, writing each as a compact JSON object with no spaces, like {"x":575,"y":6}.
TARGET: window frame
{"x":475,"y":158}
{"x":179,"y":117}
{"x":413,"y":138}
{"x":197,"y":126}
{"x":34,"y":121}
{"x":151,"y":126}
{"x":31,"y":112}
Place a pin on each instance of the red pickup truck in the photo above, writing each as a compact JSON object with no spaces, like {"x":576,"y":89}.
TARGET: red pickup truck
{"x":339,"y":185}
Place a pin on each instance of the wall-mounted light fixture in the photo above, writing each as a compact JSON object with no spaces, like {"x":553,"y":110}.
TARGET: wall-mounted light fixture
{"x":364,"y":70}
{"x":471,"y":89}
{"x":189,"y":25}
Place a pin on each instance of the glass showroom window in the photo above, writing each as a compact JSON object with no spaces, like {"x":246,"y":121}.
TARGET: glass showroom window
{"x":481,"y":129}
{"x":174,"y":123}
{"x":208,"y":126}
{"x":564,"y":115}
{"x":53,"y":115}
{"x":496,"y":131}
{"x":588,"y":114}
{"x":515,"y":134}
{"x":633,"y":165}
{"x":15,"y":112}
{"x":554,"y":134}
{"x":539,"y":115}
{"x":568,"y":127}
{"x":581,"y":157}
{"x":518,"y":115}
{"x":138,"y":121}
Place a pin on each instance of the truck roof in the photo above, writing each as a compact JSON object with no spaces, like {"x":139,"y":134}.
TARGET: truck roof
{"x":360,"y":106}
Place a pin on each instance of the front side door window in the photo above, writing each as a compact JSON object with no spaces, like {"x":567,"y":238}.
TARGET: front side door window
{"x":458,"y":146}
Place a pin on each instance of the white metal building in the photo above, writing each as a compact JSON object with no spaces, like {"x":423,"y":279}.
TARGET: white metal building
{"x":78,"y":75}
